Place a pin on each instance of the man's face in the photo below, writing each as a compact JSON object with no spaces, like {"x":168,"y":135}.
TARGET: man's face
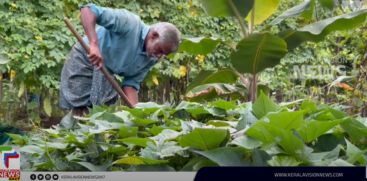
{"x":157,"y":49}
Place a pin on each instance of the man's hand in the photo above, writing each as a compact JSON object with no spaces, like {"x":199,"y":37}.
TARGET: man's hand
{"x":131,"y":94}
{"x":95,"y":56}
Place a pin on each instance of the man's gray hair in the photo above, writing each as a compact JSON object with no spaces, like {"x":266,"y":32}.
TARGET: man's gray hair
{"x":168,"y":33}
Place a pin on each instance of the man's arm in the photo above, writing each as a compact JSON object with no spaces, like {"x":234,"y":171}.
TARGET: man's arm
{"x":88,"y":20}
{"x":131,"y":94}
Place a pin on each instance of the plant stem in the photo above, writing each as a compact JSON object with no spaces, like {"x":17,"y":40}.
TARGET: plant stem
{"x":239,"y":18}
{"x":253,"y":88}
{"x":254,"y":75}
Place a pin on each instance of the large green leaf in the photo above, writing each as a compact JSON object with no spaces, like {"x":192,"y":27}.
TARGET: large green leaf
{"x":68,"y":121}
{"x":257,"y":52}
{"x":259,"y":131}
{"x":32,"y":149}
{"x":223,"y":104}
{"x":207,"y":77}
{"x":327,"y":142}
{"x":246,"y":117}
{"x":223,"y":8}
{"x":314,"y":128}
{"x":356,"y":130}
{"x":287,"y":120}
{"x":324,"y":158}
{"x":263,"y":10}
{"x":125,"y":132}
{"x":246,"y":142}
{"x":143,"y":122}
{"x":308,"y":106}
{"x":162,"y":150}
{"x":317,"y":31}
{"x":281,"y":160}
{"x":101,"y":126}
{"x":18,"y":139}
{"x":269,"y":134}
{"x":56,"y":145}
{"x":197,"y":109}
{"x":136,"y":141}
{"x":263,"y":105}
{"x":290,"y":143}
{"x":294,"y":11}
{"x":166,"y":134}
{"x":259,"y":157}
{"x":354,"y":154}
{"x":198,"y":45}
{"x":214,"y":90}
{"x":104,"y":115}
{"x":204,"y":138}
{"x":226,"y":156}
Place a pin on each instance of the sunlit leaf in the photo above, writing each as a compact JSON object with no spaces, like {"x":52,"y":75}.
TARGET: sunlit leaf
{"x":317,"y":31}
{"x":263,"y":10}
{"x":204,"y":138}
{"x":313,"y":129}
{"x":47,"y":106}
{"x":198,"y":45}
{"x":263,"y":105}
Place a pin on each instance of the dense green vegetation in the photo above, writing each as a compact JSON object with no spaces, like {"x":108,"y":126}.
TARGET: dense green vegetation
{"x":192,"y":135}
{"x":272,"y":82}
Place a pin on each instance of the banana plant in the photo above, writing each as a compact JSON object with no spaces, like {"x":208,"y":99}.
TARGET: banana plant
{"x":257,"y":51}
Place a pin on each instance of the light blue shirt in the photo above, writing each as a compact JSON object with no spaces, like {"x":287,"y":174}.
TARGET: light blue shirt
{"x":121,"y":36}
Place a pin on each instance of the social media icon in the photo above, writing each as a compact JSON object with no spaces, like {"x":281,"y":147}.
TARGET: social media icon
{"x":33,"y":176}
{"x":40,"y":177}
{"x":48,"y":177}
{"x":55,"y":176}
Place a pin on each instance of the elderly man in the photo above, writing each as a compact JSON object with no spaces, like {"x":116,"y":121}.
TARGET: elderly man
{"x":124,"y":44}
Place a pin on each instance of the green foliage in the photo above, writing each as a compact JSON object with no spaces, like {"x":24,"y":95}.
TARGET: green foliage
{"x":204,"y":138}
{"x":214,"y":90}
{"x":196,"y":46}
{"x":257,"y":52}
{"x":317,"y":31}
{"x":35,"y":41}
{"x":187,"y":139}
{"x":263,"y":50}
{"x":263,"y":106}
{"x":207,"y":77}
{"x":300,"y":9}
{"x":224,"y":8}
{"x":191,"y":135}
{"x":37,"y":49}
{"x":263,"y":10}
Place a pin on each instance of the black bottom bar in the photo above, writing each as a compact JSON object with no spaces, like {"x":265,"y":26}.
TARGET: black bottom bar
{"x":282,"y":173}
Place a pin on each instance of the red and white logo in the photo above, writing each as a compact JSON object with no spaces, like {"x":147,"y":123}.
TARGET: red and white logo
{"x":9,"y":163}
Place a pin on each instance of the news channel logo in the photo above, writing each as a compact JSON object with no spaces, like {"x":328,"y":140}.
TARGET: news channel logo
{"x":9,"y":163}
